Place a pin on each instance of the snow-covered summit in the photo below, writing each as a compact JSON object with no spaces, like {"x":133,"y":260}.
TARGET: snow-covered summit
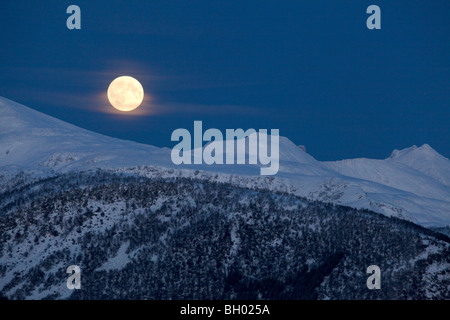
{"x":426,"y":160}
{"x":424,"y":150}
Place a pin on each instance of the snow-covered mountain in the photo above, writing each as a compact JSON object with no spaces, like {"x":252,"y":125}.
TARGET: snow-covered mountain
{"x":150,"y":238}
{"x":140,"y":227}
{"x":413,"y":184}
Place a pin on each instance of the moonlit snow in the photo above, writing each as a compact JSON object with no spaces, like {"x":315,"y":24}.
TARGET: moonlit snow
{"x":413,"y":183}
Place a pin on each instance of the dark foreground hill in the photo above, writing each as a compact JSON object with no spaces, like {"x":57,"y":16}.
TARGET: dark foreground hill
{"x":140,"y":238}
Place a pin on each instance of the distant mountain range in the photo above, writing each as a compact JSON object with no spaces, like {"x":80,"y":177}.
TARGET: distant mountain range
{"x":412,"y":184}
{"x":139,"y":227}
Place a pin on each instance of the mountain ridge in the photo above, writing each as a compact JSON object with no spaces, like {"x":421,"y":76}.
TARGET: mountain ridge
{"x":151,"y":238}
{"x":413,"y":183}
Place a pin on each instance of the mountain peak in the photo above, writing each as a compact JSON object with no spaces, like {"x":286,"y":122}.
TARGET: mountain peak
{"x":424,"y":150}
{"x":426,"y":147}
{"x":424,"y":159}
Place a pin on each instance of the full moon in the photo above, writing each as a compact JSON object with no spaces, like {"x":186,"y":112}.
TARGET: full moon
{"x":125,"y":93}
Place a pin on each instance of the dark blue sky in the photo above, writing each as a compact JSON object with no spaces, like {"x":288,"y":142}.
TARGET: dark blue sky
{"x":309,"y":68}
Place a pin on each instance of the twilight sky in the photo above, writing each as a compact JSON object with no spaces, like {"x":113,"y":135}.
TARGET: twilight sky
{"x":311,"y":69}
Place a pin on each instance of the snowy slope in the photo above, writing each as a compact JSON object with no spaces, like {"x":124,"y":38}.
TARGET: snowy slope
{"x":426,"y":160}
{"x":140,"y":238}
{"x":412,"y":184}
{"x":30,"y":139}
{"x":393,"y":174}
